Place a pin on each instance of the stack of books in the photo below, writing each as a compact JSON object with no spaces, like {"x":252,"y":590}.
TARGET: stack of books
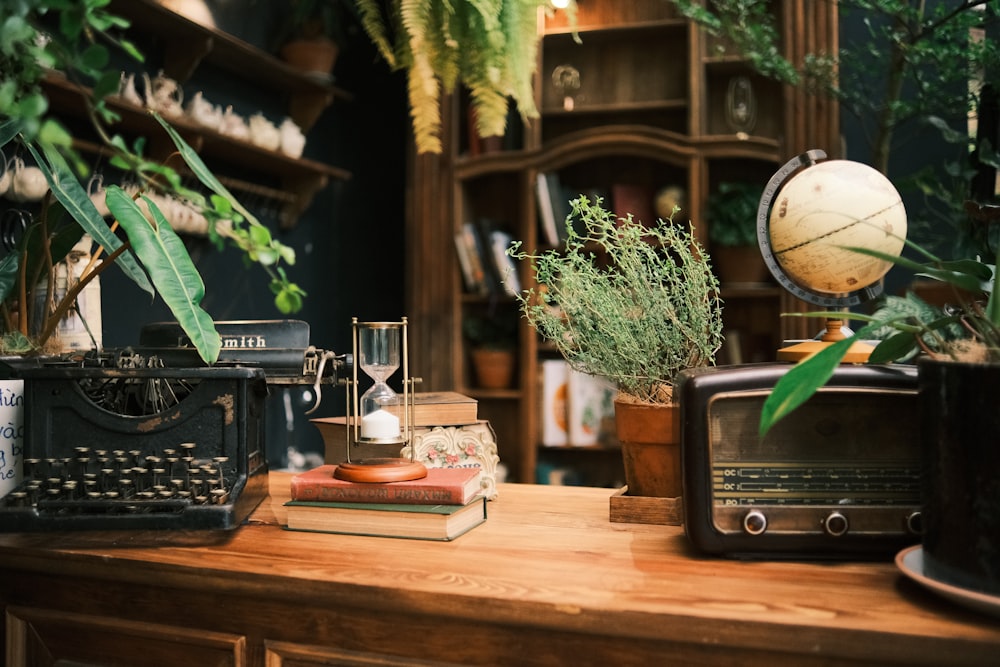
{"x":444,"y":505}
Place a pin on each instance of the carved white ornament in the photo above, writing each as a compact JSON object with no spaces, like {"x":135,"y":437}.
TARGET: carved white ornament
{"x":459,"y":447}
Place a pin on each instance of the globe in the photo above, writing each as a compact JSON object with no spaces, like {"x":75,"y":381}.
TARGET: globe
{"x":823,"y":210}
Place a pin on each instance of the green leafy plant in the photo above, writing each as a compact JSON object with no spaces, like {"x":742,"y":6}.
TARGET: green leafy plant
{"x":630,"y":302}
{"x":490,"y":46}
{"x":969,"y":330}
{"x":732,"y":214}
{"x":921,"y":52}
{"x":75,"y":38}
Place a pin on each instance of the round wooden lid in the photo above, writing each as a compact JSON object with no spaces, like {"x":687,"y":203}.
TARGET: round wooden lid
{"x":380,"y":470}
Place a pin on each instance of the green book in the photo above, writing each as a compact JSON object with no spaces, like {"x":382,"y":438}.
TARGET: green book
{"x":422,"y":522}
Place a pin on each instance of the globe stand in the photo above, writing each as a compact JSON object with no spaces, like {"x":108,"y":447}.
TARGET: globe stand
{"x":859,"y":352}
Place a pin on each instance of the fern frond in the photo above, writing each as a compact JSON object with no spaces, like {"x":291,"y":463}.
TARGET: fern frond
{"x":520,"y":25}
{"x":374,"y":25}
{"x":489,"y":45}
{"x":425,"y":98}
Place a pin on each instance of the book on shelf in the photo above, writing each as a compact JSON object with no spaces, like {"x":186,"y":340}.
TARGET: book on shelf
{"x":441,"y":486}
{"x":555,"y":376}
{"x":469,"y":246}
{"x":590,"y":408}
{"x":553,"y":207}
{"x":506,"y":270}
{"x":422,"y":522}
{"x":471,"y":274}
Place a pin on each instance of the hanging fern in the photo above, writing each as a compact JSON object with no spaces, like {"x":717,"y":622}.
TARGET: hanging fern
{"x":490,"y":46}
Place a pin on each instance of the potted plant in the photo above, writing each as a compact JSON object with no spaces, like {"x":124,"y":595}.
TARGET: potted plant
{"x":32,"y":44}
{"x":314,"y":32}
{"x":488,"y":47}
{"x":493,"y":338}
{"x":636,"y":304}
{"x":732,"y":232}
{"x":958,"y":362}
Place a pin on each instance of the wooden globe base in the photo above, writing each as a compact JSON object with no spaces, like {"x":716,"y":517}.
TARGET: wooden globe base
{"x":858,"y":353}
{"x":380,"y":470}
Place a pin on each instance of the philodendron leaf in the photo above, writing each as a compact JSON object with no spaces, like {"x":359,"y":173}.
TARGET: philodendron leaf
{"x":170,"y":267}
{"x":203,"y":173}
{"x":67,"y":189}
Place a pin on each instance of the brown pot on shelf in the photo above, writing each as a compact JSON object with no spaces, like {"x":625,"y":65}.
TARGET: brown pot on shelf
{"x":316,"y":55}
{"x":739,"y":264}
{"x":651,"y":447}
{"x":494,"y":368}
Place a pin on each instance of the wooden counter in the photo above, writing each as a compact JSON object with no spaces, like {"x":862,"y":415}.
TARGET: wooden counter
{"x":548,"y":580}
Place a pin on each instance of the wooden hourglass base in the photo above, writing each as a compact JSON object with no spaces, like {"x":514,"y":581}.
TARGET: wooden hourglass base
{"x":380,"y":470}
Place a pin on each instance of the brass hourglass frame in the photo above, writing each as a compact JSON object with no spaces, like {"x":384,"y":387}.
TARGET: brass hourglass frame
{"x":380,"y":469}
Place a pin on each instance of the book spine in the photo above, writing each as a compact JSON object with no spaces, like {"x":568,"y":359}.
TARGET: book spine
{"x":314,"y":491}
{"x":506,"y":269}
{"x":546,"y":213}
{"x":475,"y":254}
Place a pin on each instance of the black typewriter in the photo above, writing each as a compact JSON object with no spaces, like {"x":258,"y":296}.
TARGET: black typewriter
{"x":151,"y":438}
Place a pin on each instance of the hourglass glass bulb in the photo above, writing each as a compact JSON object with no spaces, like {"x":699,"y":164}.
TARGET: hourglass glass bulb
{"x":379,"y":352}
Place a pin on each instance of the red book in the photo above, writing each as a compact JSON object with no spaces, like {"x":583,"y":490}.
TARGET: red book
{"x":441,"y":486}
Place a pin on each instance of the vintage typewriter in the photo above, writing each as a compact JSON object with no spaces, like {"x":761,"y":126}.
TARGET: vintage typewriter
{"x":151,"y":438}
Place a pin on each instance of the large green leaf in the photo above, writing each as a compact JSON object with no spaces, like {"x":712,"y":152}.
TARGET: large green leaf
{"x":67,"y":189}
{"x":170,"y":268}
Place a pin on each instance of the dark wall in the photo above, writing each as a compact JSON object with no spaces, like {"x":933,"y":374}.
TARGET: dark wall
{"x":349,"y":243}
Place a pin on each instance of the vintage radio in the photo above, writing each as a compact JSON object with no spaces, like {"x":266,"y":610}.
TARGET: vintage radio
{"x":839,"y":477}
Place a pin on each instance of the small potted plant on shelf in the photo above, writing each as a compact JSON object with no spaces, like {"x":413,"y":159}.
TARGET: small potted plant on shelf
{"x":732,"y":232}
{"x":634,"y":303}
{"x":493,"y":338}
{"x":314,"y":32}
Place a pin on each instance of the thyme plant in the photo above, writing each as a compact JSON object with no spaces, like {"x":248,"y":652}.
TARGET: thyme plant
{"x":630,"y":302}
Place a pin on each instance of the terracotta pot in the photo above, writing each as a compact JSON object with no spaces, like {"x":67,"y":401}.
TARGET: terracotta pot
{"x":651,"y":448}
{"x":961,"y":473}
{"x":494,"y":369}
{"x":739,"y":264}
{"x":311,"y":55}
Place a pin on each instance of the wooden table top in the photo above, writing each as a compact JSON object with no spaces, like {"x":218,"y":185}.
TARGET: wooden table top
{"x":549,"y":557}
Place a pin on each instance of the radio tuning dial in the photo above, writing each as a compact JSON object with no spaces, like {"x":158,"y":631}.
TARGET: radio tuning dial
{"x":835,"y":524}
{"x":754,"y":523}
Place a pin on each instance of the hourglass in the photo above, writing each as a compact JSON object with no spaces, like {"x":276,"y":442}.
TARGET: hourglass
{"x":381,"y":416}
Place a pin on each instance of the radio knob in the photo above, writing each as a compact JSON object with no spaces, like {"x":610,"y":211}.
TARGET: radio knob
{"x":915,"y":523}
{"x":835,"y":524}
{"x":754,"y":523}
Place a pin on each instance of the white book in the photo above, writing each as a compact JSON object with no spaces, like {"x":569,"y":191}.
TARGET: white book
{"x":504,"y":263}
{"x":590,"y":407}
{"x":546,"y":187}
{"x":555,"y":374}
